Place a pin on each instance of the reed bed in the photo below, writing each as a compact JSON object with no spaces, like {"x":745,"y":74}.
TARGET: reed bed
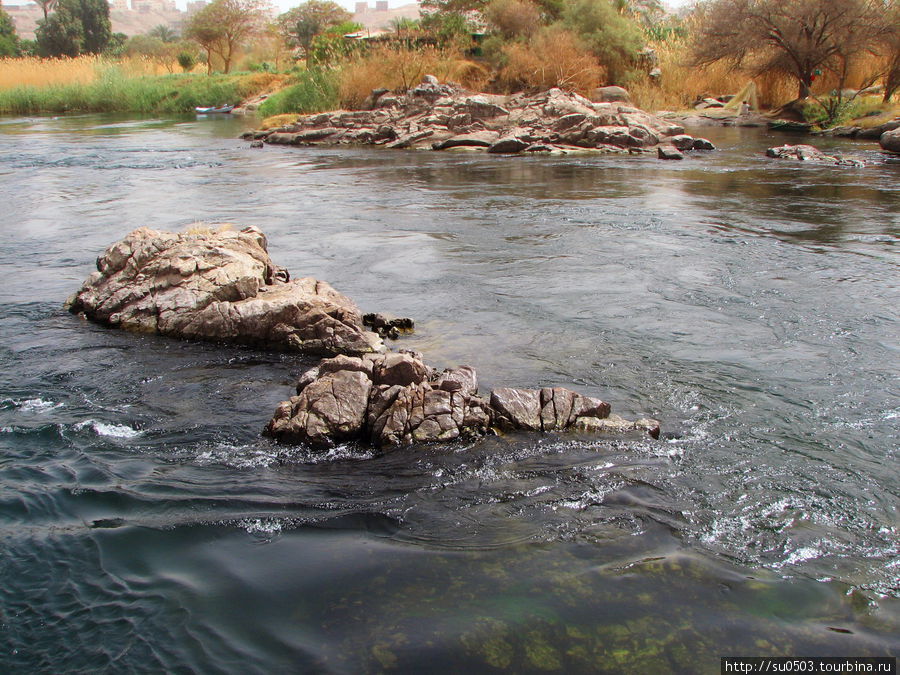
{"x":92,"y":84}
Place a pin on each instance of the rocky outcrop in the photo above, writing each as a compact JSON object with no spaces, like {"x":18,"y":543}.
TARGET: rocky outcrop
{"x":218,"y":286}
{"x":396,"y":399}
{"x":890,"y":141}
{"x":808,"y":153}
{"x":439,"y":116}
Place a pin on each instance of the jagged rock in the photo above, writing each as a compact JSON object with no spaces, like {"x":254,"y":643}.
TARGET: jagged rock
{"x":478,"y":139}
{"x":682,"y":142}
{"x":890,"y":141}
{"x":508,"y":145}
{"x":668,"y":152}
{"x":390,"y":328}
{"x":480,"y":107}
{"x":396,"y":399}
{"x":611,"y":94}
{"x":218,"y":286}
{"x":804,"y":153}
{"x":442,"y":116}
{"x":702,"y":144}
{"x":808,"y":153}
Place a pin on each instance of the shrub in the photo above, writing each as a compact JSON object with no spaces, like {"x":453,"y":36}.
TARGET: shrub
{"x":513,"y":18}
{"x":186,"y":61}
{"x":554,"y":57}
{"x":315,"y":90}
{"x":400,"y":69}
{"x":614,"y":39}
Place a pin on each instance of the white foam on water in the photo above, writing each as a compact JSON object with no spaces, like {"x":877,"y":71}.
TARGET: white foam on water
{"x":110,"y":430}
{"x":32,"y":404}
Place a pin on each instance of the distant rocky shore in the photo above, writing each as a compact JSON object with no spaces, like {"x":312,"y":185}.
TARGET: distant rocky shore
{"x":437,"y":116}
{"x":221,"y":285}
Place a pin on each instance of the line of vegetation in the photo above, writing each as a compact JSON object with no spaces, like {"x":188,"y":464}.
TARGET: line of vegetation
{"x":824,"y":56}
{"x":115,"y":91}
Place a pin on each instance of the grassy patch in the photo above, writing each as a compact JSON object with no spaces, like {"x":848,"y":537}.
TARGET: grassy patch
{"x":314,"y":90}
{"x":112,"y":90}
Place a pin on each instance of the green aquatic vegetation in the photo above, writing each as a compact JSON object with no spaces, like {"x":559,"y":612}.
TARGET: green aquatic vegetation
{"x":541,"y":653}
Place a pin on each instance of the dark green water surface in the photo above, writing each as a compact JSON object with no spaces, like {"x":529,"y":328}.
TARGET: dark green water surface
{"x":749,"y":305}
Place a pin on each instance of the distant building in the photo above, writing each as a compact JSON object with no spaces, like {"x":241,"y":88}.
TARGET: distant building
{"x":380,"y":19}
{"x":195,"y":6}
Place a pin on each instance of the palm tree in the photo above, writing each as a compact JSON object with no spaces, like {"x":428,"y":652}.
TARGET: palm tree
{"x":46,"y":5}
{"x":163,"y":32}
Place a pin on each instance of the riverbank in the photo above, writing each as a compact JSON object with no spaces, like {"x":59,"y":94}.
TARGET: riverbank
{"x":112,"y":90}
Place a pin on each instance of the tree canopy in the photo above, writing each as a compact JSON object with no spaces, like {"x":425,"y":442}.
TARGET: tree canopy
{"x":76,"y":27}
{"x":302,"y":23}
{"x":221,"y":27}
{"x":797,"y":37}
{"x":9,"y":41}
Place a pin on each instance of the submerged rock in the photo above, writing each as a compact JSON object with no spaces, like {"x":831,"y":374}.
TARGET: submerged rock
{"x":219,"y":286}
{"x":396,"y":399}
{"x":443,"y":117}
{"x":808,"y":153}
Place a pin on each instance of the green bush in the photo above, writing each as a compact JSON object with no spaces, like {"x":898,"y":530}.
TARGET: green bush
{"x":316,"y":90}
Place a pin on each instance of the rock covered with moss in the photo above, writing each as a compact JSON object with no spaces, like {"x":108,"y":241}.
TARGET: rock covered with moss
{"x":396,"y":399}
{"x":220,"y":286}
{"x":444,"y":117}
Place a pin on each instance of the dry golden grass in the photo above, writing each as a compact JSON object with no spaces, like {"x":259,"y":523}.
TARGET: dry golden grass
{"x":401,"y":69}
{"x":554,"y":57}
{"x":276,"y":121}
{"x":34,"y":72}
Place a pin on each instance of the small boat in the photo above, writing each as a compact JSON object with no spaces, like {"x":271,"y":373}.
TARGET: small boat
{"x":214,"y":109}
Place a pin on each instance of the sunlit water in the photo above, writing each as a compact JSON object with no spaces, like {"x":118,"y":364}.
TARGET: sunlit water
{"x":749,"y":305}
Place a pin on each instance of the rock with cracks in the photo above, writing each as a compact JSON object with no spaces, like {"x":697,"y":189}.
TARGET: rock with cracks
{"x":445,"y":117}
{"x":396,"y":399}
{"x":219,"y":286}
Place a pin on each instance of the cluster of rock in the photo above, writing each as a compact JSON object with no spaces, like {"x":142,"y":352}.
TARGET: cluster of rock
{"x":396,"y":399}
{"x":219,"y":286}
{"x":442,"y":117}
{"x":222,"y":285}
{"x":872,"y":133}
{"x":808,"y":153}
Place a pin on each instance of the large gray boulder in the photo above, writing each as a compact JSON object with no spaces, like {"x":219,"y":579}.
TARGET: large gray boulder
{"x":890,"y":141}
{"x":218,"y":286}
{"x":396,"y":399}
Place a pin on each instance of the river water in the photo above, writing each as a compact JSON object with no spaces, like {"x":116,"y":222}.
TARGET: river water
{"x":749,"y":305}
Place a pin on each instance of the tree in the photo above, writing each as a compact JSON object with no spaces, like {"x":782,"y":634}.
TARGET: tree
{"x":164,"y":33}
{"x":60,"y":34}
{"x":46,"y":5}
{"x":221,"y":27}
{"x":613,"y":38}
{"x":153,"y":49}
{"x":890,"y":46}
{"x":796,"y":37}
{"x":9,"y":41}
{"x":76,"y":27}
{"x":302,"y":23}
{"x":95,"y":22}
